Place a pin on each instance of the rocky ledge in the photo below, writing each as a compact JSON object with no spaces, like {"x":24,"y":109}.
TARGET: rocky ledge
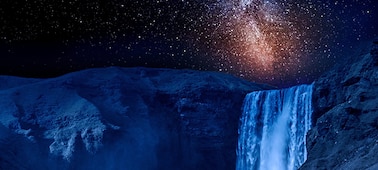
{"x":122,"y":118}
{"x":345,"y":100}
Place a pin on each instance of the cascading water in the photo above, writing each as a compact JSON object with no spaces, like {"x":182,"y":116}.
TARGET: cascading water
{"x":274,"y":123}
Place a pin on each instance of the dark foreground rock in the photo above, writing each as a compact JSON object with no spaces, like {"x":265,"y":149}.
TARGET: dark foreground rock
{"x":345,"y":100}
{"x":118,"y":118}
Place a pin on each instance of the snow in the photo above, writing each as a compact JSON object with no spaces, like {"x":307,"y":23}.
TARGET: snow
{"x":63,"y":114}
{"x":117,"y":116}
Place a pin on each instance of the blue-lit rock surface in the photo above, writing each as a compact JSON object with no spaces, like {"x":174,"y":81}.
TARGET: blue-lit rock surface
{"x":345,"y":100}
{"x":118,"y":118}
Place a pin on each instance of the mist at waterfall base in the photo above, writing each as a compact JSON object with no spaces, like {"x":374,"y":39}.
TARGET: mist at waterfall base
{"x":273,"y":129}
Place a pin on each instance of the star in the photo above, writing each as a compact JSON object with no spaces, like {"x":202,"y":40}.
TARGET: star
{"x":278,"y":42}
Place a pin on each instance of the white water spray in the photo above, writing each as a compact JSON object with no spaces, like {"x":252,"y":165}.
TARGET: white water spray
{"x":274,"y":123}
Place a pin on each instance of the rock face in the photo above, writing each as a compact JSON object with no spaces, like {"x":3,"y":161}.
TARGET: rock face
{"x":117,"y":118}
{"x":345,"y":100}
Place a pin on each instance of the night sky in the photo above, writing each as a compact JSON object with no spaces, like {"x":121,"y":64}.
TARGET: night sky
{"x":279,"y":42}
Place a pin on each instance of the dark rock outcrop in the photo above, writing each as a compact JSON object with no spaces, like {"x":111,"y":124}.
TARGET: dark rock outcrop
{"x":345,"y":130}
{"x":118,"y":118}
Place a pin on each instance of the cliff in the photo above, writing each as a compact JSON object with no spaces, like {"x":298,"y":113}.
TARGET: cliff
{"x":345,"y":117}
{"x":122,"y":118}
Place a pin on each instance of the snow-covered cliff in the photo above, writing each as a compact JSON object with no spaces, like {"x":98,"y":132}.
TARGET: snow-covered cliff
{"x":118,"y":118}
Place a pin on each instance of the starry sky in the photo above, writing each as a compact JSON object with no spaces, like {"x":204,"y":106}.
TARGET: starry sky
{"x":279,"y":42}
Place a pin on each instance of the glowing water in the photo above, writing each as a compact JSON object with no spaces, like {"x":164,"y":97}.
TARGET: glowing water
{"x":274,"y":123}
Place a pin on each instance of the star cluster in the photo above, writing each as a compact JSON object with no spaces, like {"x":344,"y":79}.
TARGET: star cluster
{"x":280,"y":42}
{"x":268,"y":40}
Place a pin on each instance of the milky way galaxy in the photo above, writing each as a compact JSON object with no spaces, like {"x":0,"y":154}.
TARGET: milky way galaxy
{"x":275,"y":40}
{"x":265,"y":37}
{"x":279,"y":42}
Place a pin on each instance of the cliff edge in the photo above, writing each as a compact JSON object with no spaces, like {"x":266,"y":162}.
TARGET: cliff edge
{"x":345,"y":117}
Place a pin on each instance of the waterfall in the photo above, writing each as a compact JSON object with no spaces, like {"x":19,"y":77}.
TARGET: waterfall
{"x":274,"y":123}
